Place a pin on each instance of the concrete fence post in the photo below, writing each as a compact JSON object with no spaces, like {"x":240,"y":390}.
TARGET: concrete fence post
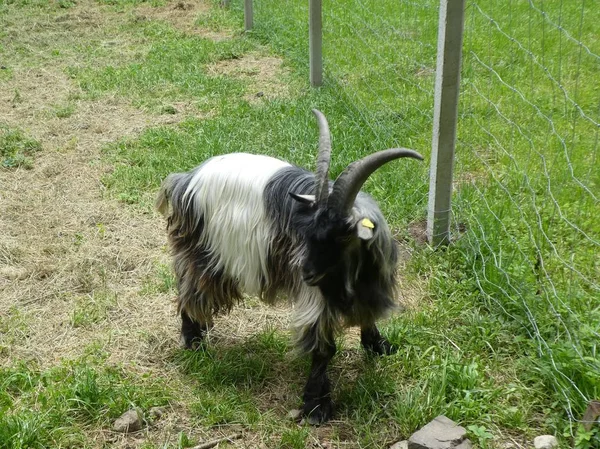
{"x":447,"y":82}
{"x":248,"y":15}
{"x":315,"y":42}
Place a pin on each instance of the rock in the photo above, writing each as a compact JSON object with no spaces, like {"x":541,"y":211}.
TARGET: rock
{"x":466,"y":444}
{"x":400,"y":445}
{"x":294,"y":415}
{"x":130,"y":421}
{"x":156,"y":412}
{"x":545,"y":442}
{"x":441,"y":433}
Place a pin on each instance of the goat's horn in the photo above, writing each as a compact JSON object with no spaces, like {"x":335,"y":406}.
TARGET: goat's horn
{"x":350,"y":181}
{"x":323,"y":159}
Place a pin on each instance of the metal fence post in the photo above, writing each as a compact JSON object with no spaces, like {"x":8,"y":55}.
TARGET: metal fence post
{"x":315,"y":42}
{"x":248,"y":15}
{"x":447,"y":81}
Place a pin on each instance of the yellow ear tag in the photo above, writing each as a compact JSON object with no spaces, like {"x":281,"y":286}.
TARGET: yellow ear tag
{"x":367,"y":223}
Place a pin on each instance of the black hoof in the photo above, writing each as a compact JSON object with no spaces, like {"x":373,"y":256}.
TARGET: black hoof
{"x":381,"y":347}
{"x":318,"y":411}
{"x":193,"y":343}
{"x":192,"y":332}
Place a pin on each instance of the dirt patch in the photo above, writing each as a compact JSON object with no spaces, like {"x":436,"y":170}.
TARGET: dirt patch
{"x":65,"y":247}
{"x":265,"y":75}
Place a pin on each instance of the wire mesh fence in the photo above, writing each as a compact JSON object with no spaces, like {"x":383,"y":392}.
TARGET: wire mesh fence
{"x":379,"y":60}
{"x":526,"y":179}
{"x":526,"y":182}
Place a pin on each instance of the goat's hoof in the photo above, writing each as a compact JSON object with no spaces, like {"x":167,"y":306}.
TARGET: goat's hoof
{"x":381,"y":348}
{"x":192,"y":344}
{"x":387,"y":348}
{"x":318,"y":411}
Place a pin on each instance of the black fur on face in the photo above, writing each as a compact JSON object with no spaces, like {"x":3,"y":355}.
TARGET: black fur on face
{"x":328,"y":238}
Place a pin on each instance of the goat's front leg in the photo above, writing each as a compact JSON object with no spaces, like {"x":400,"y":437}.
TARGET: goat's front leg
{"x":318,"y":407}
{"x":372,"y":340}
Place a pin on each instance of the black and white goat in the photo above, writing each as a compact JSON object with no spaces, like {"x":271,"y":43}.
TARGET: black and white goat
{"x":254,"y":224}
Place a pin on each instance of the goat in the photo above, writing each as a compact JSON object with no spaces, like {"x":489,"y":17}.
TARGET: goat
{"x":255,"y":224}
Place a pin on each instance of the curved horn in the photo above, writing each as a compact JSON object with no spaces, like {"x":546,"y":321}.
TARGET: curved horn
{"x":323,"y":159}
{"x":350,"y":181}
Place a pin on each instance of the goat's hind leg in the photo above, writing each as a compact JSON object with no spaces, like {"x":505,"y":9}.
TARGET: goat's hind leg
{"x":195,"y":311}
{"x":372,"y":340}
{"x":193,"y":332}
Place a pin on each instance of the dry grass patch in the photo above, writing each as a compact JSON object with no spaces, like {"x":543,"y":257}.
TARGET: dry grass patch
{"x":264,"y":75}
{"x":72,"y":261}
{"x":84,"y":34}
{"x":50,"y":109}
{"x":183,"y":16}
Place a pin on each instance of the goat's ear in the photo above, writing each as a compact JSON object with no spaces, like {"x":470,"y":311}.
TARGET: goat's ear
{"x":309,"y":200}
{"x":365,"y":229}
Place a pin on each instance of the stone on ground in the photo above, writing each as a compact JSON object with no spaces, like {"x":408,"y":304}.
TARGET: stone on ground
{"x":441,"y":433}
{"x":545,"y":442}
{"x":130,"y":421}
{"x":156,"y":413}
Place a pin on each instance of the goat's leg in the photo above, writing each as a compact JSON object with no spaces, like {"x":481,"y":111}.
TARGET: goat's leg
{"x":318,"y":407}
{"x":192,"y":331}
{"x":372,"y":340}
{"x":193,"y":303}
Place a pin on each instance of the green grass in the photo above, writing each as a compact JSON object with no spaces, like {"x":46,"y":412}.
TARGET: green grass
{"x":64,"y":111}
{"x":504,"y":340}
{"x":56,"y":407}
{"x":16,"y":148}
{"x":92,"y":308}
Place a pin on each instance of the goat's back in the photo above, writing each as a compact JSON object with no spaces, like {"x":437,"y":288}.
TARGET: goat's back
{"x":225,"y":197}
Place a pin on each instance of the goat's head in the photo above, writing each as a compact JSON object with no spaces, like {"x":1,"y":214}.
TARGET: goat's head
{"x":331,"y":223}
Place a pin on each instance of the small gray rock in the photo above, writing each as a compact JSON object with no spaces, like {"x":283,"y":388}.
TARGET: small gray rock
{"x":130,"y":421}
{"x":441,"y":433}
{"x":545,"y":442}
{"x":156,"y":412}
{"x":400,"y":445}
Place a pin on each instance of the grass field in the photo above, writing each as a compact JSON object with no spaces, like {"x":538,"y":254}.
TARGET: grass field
{"x":100,"y":100}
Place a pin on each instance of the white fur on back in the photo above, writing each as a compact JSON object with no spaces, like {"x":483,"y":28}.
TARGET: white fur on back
{"x":227,"y":192}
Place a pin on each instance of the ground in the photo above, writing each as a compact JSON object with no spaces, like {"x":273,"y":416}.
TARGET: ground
{"x":78,"y":267}
{"x":101,"y":99}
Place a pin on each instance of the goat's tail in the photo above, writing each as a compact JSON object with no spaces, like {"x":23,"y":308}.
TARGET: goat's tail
{"x":165,"y":194}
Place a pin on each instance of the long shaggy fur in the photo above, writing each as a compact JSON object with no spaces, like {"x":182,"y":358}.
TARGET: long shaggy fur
{"x":233,"y":229}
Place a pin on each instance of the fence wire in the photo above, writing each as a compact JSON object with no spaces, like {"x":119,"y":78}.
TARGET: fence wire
{"x":526,"y":178}
{"x":390,"y":86}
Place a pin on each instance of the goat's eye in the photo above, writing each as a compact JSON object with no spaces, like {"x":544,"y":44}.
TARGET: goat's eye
{"x":344,"y":239}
